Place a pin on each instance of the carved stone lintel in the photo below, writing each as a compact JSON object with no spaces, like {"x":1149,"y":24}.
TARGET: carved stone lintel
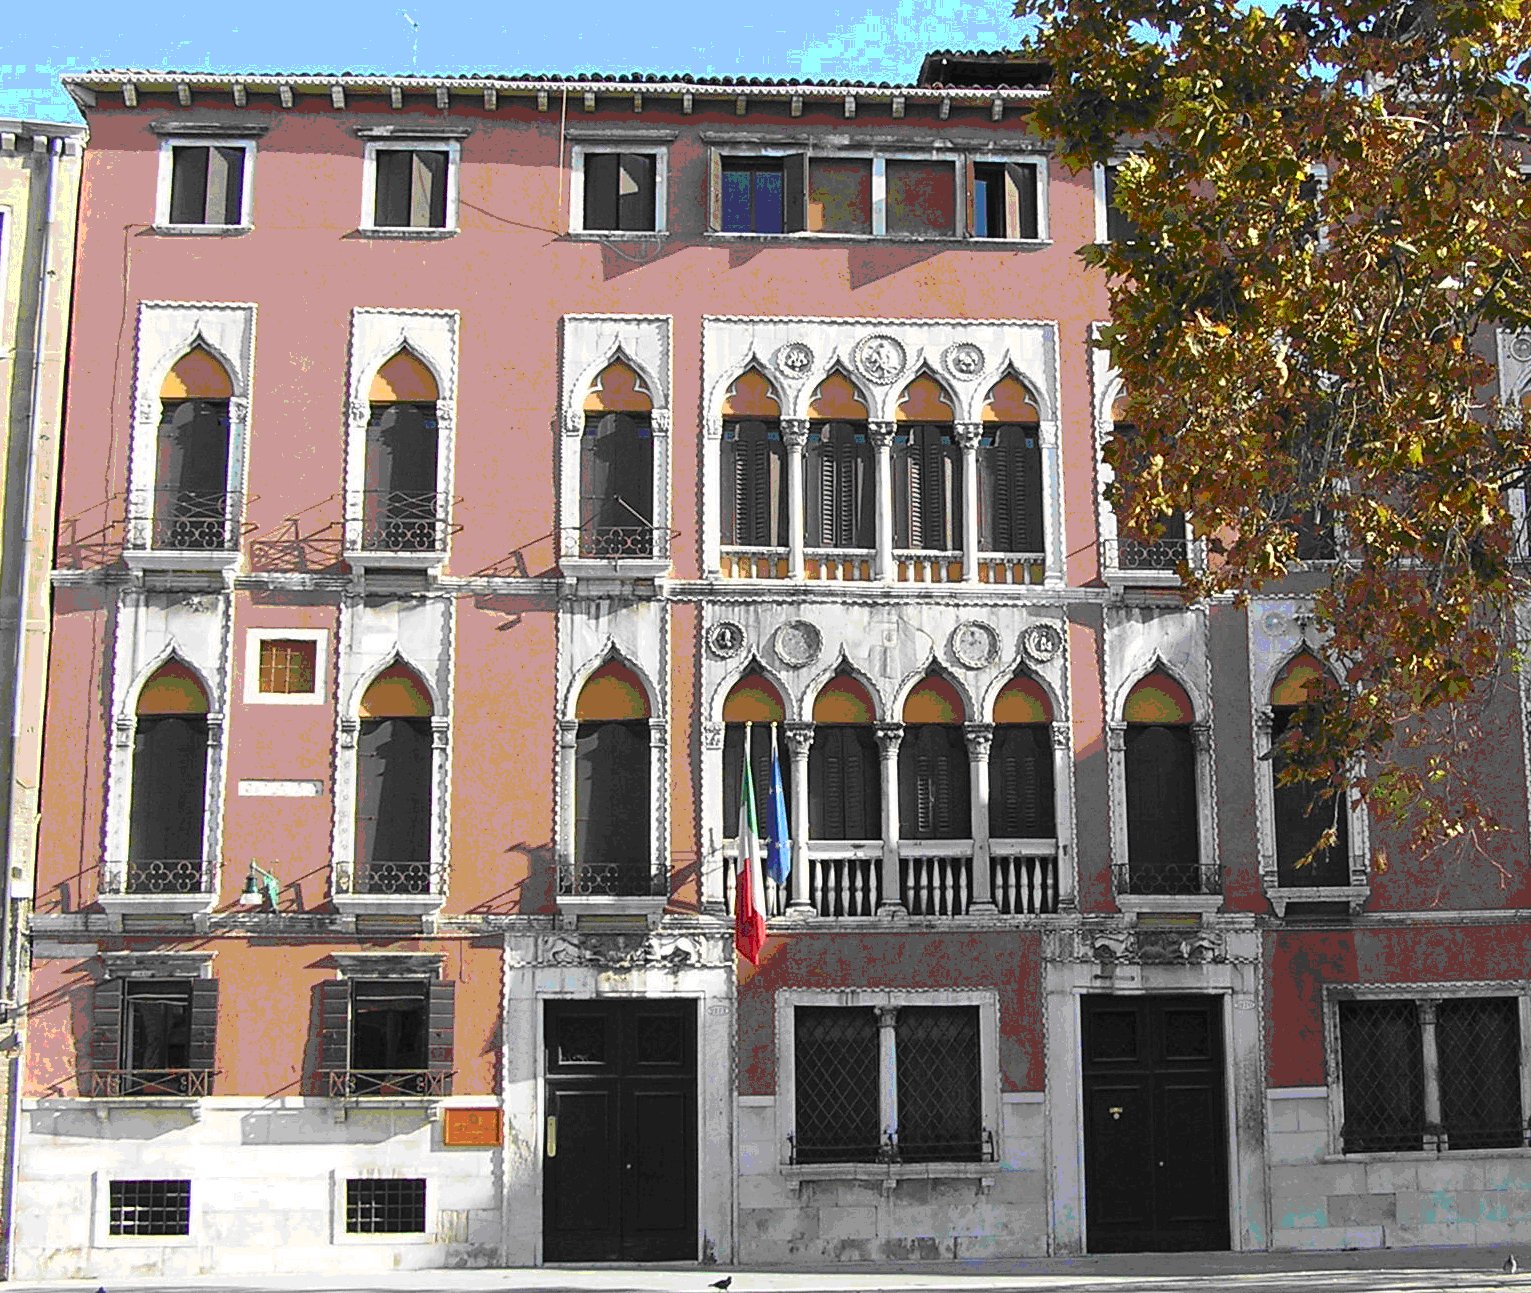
{"x":619,"y":952}
{"x":881,"y":433}
{"x":799,"y":739}
{"x":968,"y":434}
{"x":794,"y":432}
{"x":980,"y":739}
{"x":889,"y":736}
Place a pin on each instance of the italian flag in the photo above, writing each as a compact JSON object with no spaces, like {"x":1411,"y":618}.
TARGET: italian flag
{"x":749,"y":898}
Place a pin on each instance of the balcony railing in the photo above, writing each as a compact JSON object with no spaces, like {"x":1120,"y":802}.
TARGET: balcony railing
{"x":149,"y":1082}
{"x":345,"y":1083}
{"x":1151,"y":556}
{"x":1024,"y":877}
{"x":165,"y":875}
{"x":775,"y":894}
{"x":618,"y":542}
{"x":920,"y":566}
{"x":938,"y":884}
{"x":633,"y":879}
{"x":838,"y":565}
{"x":173,"y":520}
{"x":753,"y":563}
{"x":393,"y":877}
{"x":1012,"y":567}
{"x":396,"y":520}
{"x":1172,"y":879}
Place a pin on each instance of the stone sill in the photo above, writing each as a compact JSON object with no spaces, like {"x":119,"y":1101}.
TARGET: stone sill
{"x":648,"y":906}
{"x":940,"y":241}
{"x":1354,"y":896}
{"x":1203,"y":903}
{"x":1418,"y":1156}
{"x":427,"y":1106}
{"x":616,"y":570}
{"x":389,"y":231}
{"x":387,"y":904}
{"x":203,"y":230}
{"x":209,"y":560}
{"x":1140,"y":578}
{"x":359,"y":559}
{"x":103,"y":1106}
{"x":156,"y":904}
{"x":890,"y":1174}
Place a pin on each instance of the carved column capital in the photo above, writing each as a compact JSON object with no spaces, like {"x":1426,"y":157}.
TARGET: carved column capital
{"x":889,"y":736}
{"x":980,"y":739}
{"x":968,"y":433}
{"x":799,"y":739}
{"x":573,"y":421}
{"x":887,"y":1016}
{"x":1116,"y":737}
{"x":1063,"y":736}
{"x":794,"y":432}
{"x":358,"y":413}
{"x":712,"y":736}
{"x":1201,"y":737}
{"x":1047,"y":433}
{"x":881,"y":433}
{"x":568,"y":729}
{"x":1265,"y":722}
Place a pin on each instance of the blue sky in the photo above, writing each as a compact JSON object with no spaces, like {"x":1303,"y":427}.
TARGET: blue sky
{"x":874,"y":40}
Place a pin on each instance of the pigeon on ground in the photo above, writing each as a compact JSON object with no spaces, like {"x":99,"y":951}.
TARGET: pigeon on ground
{"x":1511,"y":1266}
{"x":722,"y":1283}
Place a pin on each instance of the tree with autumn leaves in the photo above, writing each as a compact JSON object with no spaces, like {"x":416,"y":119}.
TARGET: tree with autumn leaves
{"x":1331,"y":222}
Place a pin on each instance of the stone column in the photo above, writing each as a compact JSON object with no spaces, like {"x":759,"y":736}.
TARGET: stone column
{"x":714,"y":899}
{"x":968,"y":434}
{"x":568,"y":729}
{"x":1431,"y":1057}
{"x":889,"y":736}
{"x":887,"y":1063}
{"x":794,"y":434}
{"x":799,"y":742}
{"x":882,"y":485}
{"x":980,"y":739}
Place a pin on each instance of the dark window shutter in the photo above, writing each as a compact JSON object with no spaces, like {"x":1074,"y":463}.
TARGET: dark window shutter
{"x":394,"y":758}
{"x":428,"y":189}
{"x":733,"y":746}
{"x":106,"y":1025}
{"x":636,"y":193}
{"x":714,"y":190}
{"x":169,"y":788}
{"x":1021,"y":782}
{"x":192,"y":448}
{"x":225,"y":185}
{"x":1021,"y":206}
{"x":617,"y":471}
{"x":601,"y":190}
{"x":188,"y":185}
{"x":334,"y":1025}
{"x":844,"y":790}
{"x":391,"y":205}
{"x":971,"y":228}
{"x":611,"y":794}
{"x":202,"y":1052}
{"x":794,"y":193}
{"x":441,"y":1017}
{"x":934,"y":794}
{"x":1163,"y":835}
{"x":1300,"y":818}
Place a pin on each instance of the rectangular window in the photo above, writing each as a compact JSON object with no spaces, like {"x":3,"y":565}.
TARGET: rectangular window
{"x":1006,"y":200}
{"x":205,"y":184}
{"x":844,"y":1110}
{"x":385,"y":1207}
{"x":413,"y":188}
{"x":387,"y":1036}
{"x":149,"y":1208}
{"x":921,"y":199}
{"x":1112,"y":225}
{"x":840,"y":195}
{"x":287,"y":667}
{"x":752,"y":195}
{"x":1433,"y":1073}
{"x":621,"y":191}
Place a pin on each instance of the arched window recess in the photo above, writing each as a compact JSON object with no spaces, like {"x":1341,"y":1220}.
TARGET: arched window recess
{"x":400,"y":509}
{"x":167,"y":849}
{"x":838,"y":483}
{"x":928,"y":491}
{"x":935,"y":802}
{"x":395,"y":785}
{"x":755,"y":487}
{"x":1158,"y":550}
{"x":851,"y":802}
{"x":755,"y":735}
{"x":1023,"y":778}
{"x":1008,"y":458}
{"x":195,"y":508}
{"x":616,"y":468}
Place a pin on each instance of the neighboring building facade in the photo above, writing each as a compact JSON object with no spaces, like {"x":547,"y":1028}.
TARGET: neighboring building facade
{"x":39,"y":196}
{"x":464,"y":481}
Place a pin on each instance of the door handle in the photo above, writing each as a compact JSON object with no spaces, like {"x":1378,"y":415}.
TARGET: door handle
{"x":552,"y":1135}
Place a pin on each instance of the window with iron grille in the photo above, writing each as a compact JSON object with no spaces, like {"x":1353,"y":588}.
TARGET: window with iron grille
{"x":1430,"y":1073}
{"x":287,"y":666}
{"x":385,"y":1206}
{"x":845,"y":1112}
{"x":149,"y":1208}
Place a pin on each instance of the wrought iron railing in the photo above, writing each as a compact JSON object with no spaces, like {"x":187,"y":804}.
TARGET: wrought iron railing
{"x":150,"y":1082}
{"x":891,"y":1149}
{"x":1151,"y":555}
{"x":1168,"y":878}
{"x":176,"y":520}
{"x":396,"y":520}
{"x":632,"y":879}
{"x":393,"y":877}
{"x":165,"y":875}
{"x":384,"y":1082}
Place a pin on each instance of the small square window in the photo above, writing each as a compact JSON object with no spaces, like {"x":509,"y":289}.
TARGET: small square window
{"x":412,"y":187}
{"x":1006,"y":200}
{"x":149,"y":1208}
{"x":205,"y":184}
{"x":287,"y":667}
{"x":385,"y":1207}
{"x":752,"y":195}
{"x":623,"y":191}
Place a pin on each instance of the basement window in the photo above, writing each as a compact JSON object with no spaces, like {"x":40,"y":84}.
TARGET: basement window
{"x":385,"y":1207}
{"x":149,"y":1208}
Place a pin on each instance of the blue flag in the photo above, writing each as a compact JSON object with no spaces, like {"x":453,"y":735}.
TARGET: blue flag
{"x":778,"y":837}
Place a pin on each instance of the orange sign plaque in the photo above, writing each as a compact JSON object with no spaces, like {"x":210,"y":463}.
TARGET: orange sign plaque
{"x":470,"y":1127}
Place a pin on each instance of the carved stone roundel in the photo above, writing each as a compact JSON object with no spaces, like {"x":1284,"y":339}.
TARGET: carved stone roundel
{"x":879,"y":359}
{"x":1275,"y":623}
{"x":974,"y":645}
{"x":725,"y":639}
{"x":1041,"y":642}
{"x":1521,"y":348}
{"x":798,"y":644}
{"x":794,"y":359}
{"x":964,"y":360}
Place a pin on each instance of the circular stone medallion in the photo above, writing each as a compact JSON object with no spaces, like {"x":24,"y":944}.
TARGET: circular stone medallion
{"x":974,"y":645}
{"x":725,"y":639}
{"x":798,"y":644}
{"x":879,"y":359}
{"x":963,"y":360}
{"x":794,"y":359}
{"x":1520,"y":347}
{"x":1041,"y":642}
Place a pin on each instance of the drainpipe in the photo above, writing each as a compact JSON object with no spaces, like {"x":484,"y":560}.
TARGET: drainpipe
{"x":13,"y":932}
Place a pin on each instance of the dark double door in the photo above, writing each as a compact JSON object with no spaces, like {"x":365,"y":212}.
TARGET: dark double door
{"x":1155,"y":1119}
{"x":619,"y":1157}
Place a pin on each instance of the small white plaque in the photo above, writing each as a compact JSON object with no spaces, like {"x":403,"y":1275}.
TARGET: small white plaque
{"x":280,"y":789}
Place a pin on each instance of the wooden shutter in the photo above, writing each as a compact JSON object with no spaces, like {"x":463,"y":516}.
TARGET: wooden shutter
{"x":427,"y":189}
{"x":169,"y":788}
{"x":393,"y":790}
{"x":733,"y":746}
{"x":106,"y":1025}
{"x":1021,"y":782}
{"x":970,"y":181}
{"x":1021,"y":209}
{"x":440,"y":1020}
{"x":391,"y":201}
{"x":601,"y":190}
{"x":794,"y":193}
{"x":714,"y":190}
{"x":225,"y":185}
{"x":334,"y":1025}
{"x":1163,"y":836}
{"x":635,"y":192}
{"x":1300,"y":819}
{"x":202,"y":1050}
{"x":188,"y":185}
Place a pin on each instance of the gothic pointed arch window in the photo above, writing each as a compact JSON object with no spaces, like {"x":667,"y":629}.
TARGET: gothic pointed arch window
{"x":753,"y":465}
{"x":1010,"y":471}
{"x":168,"y":818}
{"x":927,"y":470}
{"x":401,"y":505}
{"x":612,"y":785}
{"x":193,"y":505}
{"x":395,"y":767}
{"x":933,"y":780}
{"x":753,"y":703}
{"x":844,"y":774}
{"x":837,"y":466}
{"x":616,"y":482}
{"x":1161,"y":548}
{"x":1163,"y":821}
{"x":1021,"y":788}
{"x":1301,"y":812}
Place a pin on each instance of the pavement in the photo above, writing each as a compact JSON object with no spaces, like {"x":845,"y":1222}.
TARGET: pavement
{"x":1421,"y":1270}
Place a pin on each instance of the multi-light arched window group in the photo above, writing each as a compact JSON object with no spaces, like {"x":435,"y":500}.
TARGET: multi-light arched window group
{"x":923,"y":497}
{"x":937,"y":813}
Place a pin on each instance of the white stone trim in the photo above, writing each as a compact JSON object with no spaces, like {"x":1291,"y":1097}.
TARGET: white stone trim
{"x":590,"y":343}
{"x":254,"y":638}
{"x":659,"y":150}
{"x":167,"y":145}
{"x":409,"y":143}
{"x":166,"y":331}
